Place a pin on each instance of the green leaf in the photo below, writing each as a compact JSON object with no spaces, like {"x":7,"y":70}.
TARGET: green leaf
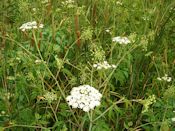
{"x":103,"y":126}
{"x":26,"y":116}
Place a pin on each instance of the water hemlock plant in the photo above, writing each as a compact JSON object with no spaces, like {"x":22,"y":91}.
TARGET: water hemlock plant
{"x":87,"y":65}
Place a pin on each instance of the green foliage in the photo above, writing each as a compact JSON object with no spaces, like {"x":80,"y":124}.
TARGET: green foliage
{"x":39,"y":67}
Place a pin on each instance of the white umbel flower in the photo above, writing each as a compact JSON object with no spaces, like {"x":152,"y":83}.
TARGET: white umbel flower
{"x":50,"y":96}
{"x":165,"y":78}
{"x":103,"y":65}
{"x":30,"y":25}
{"x":84,"y":97}
{"x":121,"y":40}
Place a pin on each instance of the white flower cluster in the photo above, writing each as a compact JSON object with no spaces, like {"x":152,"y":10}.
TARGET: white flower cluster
{"x":147,"y":102}
{"x":39,"y":61}
{"x":103,"y":65}
{"x":119,"y":3}
{"x":30,"y":25}
{"x":50,"y":96}
{"x":164,"y":78}
{"x":84,"y":97}
{"x":3,"y":113}
{"x":68,"y":2}
{"x":121,"y":40}
{"x":7,"y":95}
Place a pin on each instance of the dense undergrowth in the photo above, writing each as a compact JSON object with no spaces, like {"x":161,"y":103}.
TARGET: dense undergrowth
{"x":39,"y":67}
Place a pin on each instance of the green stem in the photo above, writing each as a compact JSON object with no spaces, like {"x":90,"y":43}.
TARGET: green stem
{"x":90,"y":119}
{"x":120,"y":101}
{"x":56,"y":118}
{"x":61,"y":91}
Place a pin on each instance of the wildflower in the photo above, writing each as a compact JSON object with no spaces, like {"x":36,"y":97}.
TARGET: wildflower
{"x":107,"y":30}
{"x":173,"y":119}
{"x":39,"y":61}
{"x":121,"y":40}
{"x":59,"y":62}
{"x":34,"y":9}
{"x":165,"y":78}
{"x":84,"y":97}
{"x":69,"y":3}
{"x":41,"y":26}
{"x":87,"y":33}
{"x":103,"y":65}
{"x":8,"y":95}
{"x":119,"y":3}
{"x":147,"y":102}
{"x":158,"y":78}
{"x":50,"y":96}
{"x":31,"y":25}
{"x":145,"y":18}
{"x":2,"y":112}
{"x":172,"y":9}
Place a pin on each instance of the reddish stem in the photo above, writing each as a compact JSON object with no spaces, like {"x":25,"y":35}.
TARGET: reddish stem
{"x":77,"y":30}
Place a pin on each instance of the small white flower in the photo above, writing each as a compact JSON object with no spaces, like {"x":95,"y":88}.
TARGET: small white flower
{"x":39,"y":61}
{"x":84,"y":97}
{"x":41,"y":26}
{"x":50,"y":96}
{"x":99,"y":67}
{"x":158,"y":78}
{"x":105,"y":62}
{"x":114,"y":66}
{"x":30,"y":25}
{"x":121,"y":40}
{"x":92,"y":104}
{"x":34,"y":23}
{"x":165,"y":78}
{"x":68,"y":98}
{"x":2,"y":112}
{"x":34,"y":9}
{"x":75,"y":105}
{"x":103,"y":65}
{"x":169,"y":79}
{"x":97,"y":103}
{"x":107,"y":30}
{"x":86,"y":109}
{"x":95,"y":65}
{"x":35,"y":27}
{"x":119,"y":3}
{"x":81,"y":105}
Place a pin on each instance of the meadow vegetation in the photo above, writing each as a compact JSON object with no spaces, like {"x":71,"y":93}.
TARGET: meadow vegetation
{"x":78,"y":65}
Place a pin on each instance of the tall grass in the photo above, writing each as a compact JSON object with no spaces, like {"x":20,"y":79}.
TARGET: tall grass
{"x":61,"y":56}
